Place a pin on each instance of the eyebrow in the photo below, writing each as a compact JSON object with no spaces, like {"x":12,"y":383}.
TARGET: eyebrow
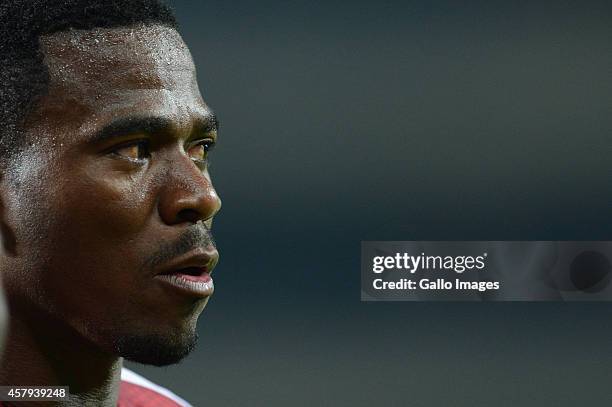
{"x":206,"y":124}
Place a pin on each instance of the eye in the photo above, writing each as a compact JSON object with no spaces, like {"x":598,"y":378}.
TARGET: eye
{"x":199,"y":151}
{"x":134,"y":151}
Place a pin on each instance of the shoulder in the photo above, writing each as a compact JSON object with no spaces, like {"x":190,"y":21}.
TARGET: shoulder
{"x":136,"y":391}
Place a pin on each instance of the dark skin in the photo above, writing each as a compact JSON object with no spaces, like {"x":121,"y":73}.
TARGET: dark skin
{"x":3,"y":318}
{"x":113,"y":176}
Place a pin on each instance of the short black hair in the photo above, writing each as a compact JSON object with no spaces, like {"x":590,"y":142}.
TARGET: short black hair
{"x":24,"y":77}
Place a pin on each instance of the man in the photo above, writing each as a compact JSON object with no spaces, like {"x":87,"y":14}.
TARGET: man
{"x":106,"y":200}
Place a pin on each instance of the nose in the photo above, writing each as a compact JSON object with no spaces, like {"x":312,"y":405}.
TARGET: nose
{"x":188,"y":195}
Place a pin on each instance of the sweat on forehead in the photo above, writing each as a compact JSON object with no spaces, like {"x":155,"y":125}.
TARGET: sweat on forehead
{"x":136,"y":53}
{"x":101,"y":75}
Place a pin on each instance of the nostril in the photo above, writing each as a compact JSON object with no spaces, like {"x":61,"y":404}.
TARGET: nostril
{"x":189,"y":215}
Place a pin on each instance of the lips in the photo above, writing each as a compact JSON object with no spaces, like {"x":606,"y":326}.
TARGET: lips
{"x":190,"y":274}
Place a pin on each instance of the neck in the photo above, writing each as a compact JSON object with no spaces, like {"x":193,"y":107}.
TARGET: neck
{"x":42,"y":351}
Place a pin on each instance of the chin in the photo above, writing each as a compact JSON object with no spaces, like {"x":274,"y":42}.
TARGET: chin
{"x":156,"y":349}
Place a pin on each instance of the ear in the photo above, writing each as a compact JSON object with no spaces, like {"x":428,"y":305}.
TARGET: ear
{"x":6,"y":232}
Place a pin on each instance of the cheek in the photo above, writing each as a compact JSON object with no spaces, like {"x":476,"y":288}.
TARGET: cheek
{"x":75,"y":216}
{"x":74,"y":231}
{"x":89,"y":229}
{"x":113,"y":205}
{"x":87,"y":193}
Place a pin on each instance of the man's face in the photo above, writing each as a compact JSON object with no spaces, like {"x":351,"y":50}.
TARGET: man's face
{"x":112,"y":191}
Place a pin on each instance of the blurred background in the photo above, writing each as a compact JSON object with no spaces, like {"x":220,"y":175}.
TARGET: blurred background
{"x":397,"y":120}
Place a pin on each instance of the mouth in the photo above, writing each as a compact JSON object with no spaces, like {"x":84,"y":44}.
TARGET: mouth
{"x":190,"y":274}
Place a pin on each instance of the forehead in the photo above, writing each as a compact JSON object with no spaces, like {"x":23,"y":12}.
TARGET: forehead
{"x":128,"y":56}
{"x":97,"y":75}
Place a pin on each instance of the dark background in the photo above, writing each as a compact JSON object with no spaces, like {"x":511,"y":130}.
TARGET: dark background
{"x":397,"y":120}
